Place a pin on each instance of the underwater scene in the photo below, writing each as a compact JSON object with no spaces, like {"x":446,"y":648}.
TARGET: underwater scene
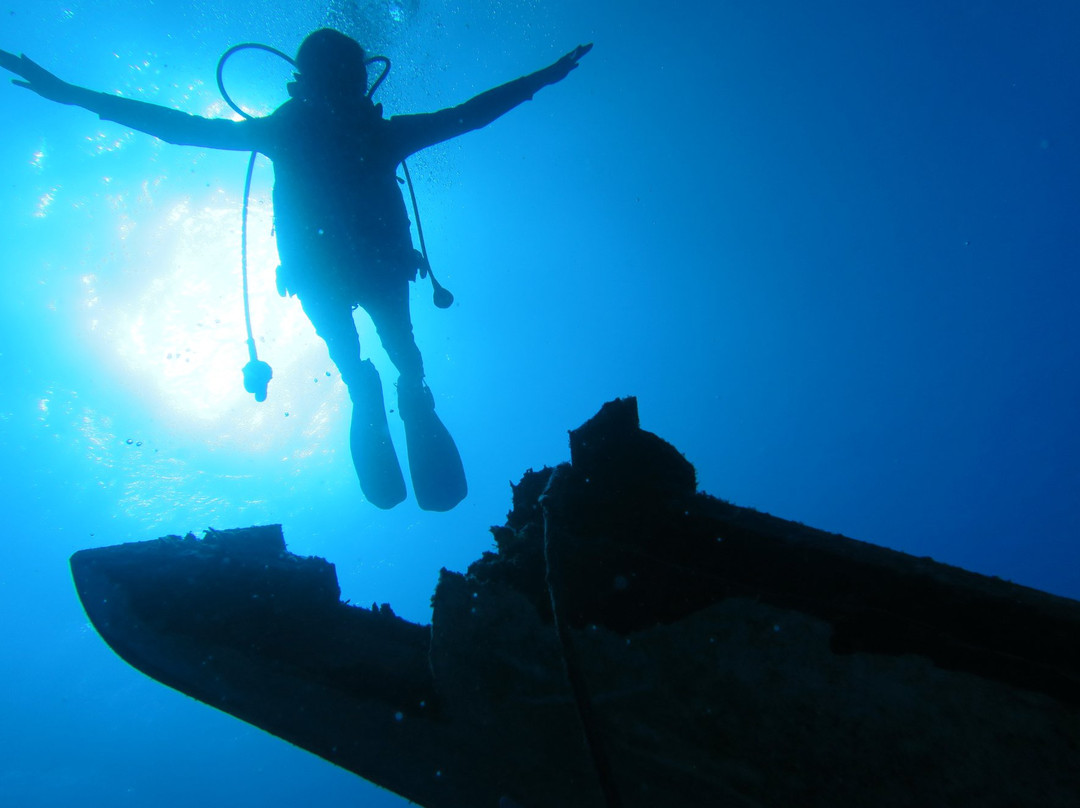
{"x":830,"y":247}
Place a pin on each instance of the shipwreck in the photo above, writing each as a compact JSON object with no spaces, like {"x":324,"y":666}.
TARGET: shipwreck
{"x":633,"y":642}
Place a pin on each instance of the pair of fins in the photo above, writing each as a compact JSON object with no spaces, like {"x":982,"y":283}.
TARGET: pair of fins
{"x":438,"y":475}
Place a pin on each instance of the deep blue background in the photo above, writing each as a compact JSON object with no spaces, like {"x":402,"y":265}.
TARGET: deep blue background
{"x":832,"y":248}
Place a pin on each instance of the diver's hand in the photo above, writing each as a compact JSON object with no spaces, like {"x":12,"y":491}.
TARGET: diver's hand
{"x":36,"y":78}
{"x":561,"y":69}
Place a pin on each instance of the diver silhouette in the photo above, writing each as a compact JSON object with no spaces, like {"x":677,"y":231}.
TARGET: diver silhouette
{"x":342,"y":229}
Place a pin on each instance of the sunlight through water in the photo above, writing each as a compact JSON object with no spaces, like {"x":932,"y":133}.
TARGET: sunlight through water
{"x":180,"y":338}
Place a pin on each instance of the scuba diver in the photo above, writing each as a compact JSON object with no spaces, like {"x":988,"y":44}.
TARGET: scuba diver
{"x":342,"y":229}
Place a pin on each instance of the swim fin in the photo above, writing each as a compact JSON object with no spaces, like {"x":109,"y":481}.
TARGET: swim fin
{"x":438,"y":475}
{"x":373,"y":452}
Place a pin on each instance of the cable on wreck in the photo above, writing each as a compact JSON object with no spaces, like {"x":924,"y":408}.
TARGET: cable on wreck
{"x":594,"y":741}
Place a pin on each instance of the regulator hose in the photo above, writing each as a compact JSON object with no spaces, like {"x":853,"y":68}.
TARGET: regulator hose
{"x":257,"y":374}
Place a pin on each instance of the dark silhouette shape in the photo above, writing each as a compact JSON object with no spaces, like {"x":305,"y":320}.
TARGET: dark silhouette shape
{"x":633,"y":641}
{"x":342,"y":230}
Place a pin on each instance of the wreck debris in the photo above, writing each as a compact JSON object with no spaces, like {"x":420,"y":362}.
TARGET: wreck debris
{"x":631,"y":642}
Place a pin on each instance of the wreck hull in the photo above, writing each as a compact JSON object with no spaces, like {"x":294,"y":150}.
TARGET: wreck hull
{"x":632,"y":642}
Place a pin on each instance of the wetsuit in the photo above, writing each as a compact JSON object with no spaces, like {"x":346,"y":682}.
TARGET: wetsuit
{"x":340,"y":218}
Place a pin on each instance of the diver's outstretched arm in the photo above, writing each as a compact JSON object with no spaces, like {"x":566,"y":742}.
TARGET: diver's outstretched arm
{"x":561,"y":69}
{"x":170,"y":125}
{"x":38,"y":79}
{"x":416,"y":132}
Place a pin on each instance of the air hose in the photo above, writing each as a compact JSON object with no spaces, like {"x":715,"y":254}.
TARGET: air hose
{"x":257,"y":374}
{"x":439,"y":293}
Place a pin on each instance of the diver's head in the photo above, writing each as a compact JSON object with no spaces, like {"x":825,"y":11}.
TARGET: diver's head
{"x":331,"y":65}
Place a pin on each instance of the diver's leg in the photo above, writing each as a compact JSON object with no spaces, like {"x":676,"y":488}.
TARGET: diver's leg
{"x":372,"y":450}
{"x":390,"y":314}
{"x":393,"y":322}
{"x":434,"y":462}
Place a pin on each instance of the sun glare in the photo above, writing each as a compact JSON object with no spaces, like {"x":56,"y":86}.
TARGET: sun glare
{"x":177,"y":333}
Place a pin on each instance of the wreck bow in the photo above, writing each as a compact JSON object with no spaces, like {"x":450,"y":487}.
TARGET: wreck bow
{"x":632,"y":642}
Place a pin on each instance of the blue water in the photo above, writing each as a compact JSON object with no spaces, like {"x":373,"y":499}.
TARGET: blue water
{"x":832,"y":247}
